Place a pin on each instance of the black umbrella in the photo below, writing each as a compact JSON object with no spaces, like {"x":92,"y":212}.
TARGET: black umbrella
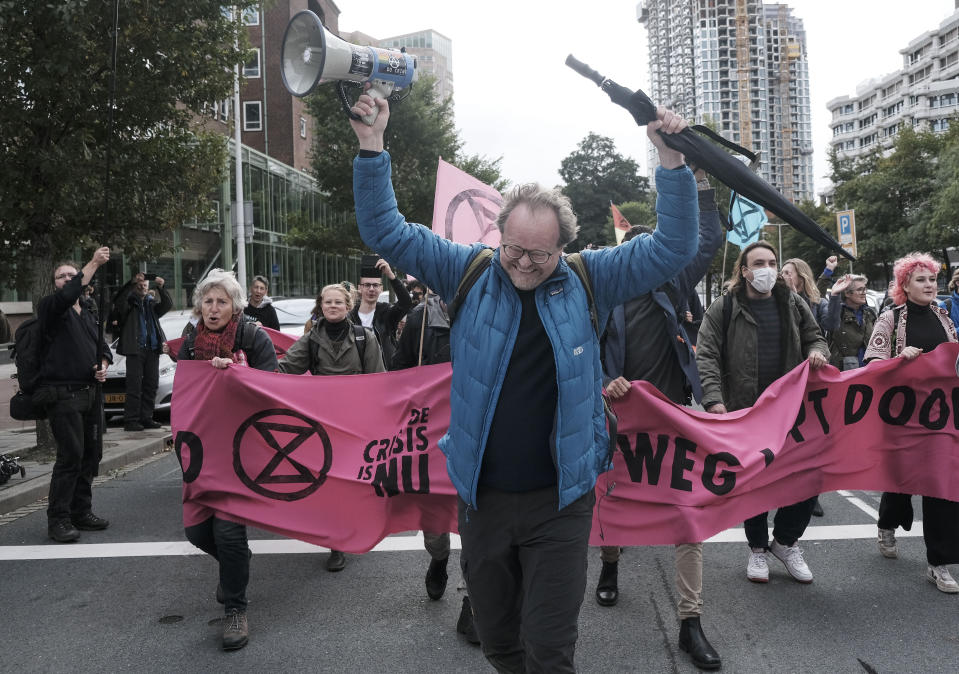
{"x":712,"y":159}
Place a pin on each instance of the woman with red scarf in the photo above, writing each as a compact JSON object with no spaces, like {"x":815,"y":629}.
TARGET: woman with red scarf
{"x":224,"y":338}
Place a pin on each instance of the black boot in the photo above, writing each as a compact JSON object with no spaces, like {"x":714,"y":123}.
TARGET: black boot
{"x":693,"y":641}
{"x":436,"y":577}
{"x":607,"y":589}
{"x":817,"y":508}
{"x":464,"y":625}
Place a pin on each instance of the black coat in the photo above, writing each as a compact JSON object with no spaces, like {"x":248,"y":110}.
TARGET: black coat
{"x":127,"y":309}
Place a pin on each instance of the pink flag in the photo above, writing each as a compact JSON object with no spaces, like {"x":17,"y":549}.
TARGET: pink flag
{"x":304,"y":456}
{"x":465,"y":209}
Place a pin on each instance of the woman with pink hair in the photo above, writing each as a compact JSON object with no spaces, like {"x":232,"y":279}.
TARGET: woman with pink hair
{"x":916,"y":324}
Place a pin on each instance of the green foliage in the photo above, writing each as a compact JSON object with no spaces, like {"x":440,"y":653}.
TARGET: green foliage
{"x":595,"y":174}
{"x":420,"y":131}
{"x":904,"y":198}
{"x":637,"y":213}
{"x":55,"y":72}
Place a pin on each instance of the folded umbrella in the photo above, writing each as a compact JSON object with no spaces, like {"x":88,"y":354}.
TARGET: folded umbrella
{"x":712,"y":159}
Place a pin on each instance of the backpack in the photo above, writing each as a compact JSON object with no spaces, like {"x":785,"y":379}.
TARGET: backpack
{"x":478,"y":265}
{"x":29,"y":347}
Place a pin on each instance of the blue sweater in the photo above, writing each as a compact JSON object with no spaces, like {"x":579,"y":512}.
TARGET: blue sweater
{"x":484,"y":333}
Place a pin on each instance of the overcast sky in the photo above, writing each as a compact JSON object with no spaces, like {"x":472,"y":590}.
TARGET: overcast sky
{"x":515,"y":98}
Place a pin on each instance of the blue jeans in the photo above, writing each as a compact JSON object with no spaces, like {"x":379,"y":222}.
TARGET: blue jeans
{"x":225,"y":541}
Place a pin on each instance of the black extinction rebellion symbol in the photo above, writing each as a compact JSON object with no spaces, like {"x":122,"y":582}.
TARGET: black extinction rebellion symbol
{"x":485,"y":215}
{"x":296,"y":430}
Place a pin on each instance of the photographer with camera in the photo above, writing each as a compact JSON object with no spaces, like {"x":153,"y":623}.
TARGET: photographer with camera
{"x":74,"y":360}
{"x":141,"y":340}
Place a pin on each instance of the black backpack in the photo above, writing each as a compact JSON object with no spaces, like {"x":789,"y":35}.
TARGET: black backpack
{"x":29,"y":347}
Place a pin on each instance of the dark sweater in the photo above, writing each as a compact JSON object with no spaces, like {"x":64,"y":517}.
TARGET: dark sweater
{"x":264,"y":314}
{"x":519,"y":454}
{"x":768,"y":333}
{"x":923,"y":328}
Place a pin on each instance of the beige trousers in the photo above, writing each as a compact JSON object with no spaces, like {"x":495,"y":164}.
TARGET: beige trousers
{"x":689,"y":576}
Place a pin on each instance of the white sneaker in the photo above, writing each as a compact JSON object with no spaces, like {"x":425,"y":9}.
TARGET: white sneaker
{"x":791,"y":556}
{"x":940,"y":576}
{"x":887,"y":543}
{"x":757,"y":570}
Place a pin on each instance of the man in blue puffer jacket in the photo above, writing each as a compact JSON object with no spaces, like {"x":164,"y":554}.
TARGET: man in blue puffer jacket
{"x":527,"y":435}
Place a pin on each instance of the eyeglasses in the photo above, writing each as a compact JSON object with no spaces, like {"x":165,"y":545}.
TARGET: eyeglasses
{"x":371,"y":285}
{"x":517,"y":253}
{"x":65,"y":275}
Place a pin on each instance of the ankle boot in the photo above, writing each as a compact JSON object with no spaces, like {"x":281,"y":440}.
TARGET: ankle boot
{"x":607,"y":589}
{"x":693,"y":641}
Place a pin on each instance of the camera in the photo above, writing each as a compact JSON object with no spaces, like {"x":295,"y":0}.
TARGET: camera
{"x":368,"y":266}
{"x":150,"y":277}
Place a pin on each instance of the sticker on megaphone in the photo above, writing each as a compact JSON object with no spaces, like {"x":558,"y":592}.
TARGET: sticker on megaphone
{"x":311,"y":55}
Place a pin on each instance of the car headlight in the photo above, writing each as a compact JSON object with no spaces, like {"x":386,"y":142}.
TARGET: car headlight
{"x":168,"y":370}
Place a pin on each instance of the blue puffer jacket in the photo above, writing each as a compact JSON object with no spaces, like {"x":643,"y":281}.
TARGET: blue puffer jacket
{"x":485,"y":329}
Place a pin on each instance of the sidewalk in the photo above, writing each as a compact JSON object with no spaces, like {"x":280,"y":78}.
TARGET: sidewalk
{"x":119,"y":449}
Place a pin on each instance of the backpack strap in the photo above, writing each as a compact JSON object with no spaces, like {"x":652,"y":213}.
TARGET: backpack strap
{"x":576,"y":263}
{"x":895,"y":329}
{"x":359,"y":335}
{"x":474,"y":270}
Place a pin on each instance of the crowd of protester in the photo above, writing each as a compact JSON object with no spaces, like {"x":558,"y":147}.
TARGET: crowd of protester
{"x":525,"y":470}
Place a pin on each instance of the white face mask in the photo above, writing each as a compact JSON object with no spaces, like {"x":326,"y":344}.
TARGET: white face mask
{"x":764,"y":279}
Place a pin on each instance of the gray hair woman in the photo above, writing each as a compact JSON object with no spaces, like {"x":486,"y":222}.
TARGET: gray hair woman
{"x":223,"y":337}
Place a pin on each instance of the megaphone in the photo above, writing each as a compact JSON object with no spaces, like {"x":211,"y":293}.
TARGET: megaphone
{"x":311,"y":55}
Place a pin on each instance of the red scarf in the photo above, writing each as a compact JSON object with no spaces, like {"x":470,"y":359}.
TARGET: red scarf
{"x":209,"y":344}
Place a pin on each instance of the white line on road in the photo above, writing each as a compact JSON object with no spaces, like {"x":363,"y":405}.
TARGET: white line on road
{"x":859,"y":503}
{"x":400,"y":543}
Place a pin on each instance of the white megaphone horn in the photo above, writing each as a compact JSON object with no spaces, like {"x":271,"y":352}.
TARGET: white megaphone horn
{"x":312,"y":55}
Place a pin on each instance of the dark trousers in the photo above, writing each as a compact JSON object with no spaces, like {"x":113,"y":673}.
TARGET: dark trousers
{"x":225,"y":541}
{"x":940,"y":524}
{"x":73,"y":420}
{"x":143,"y":376}
{"x":789,"y":524}
{"x":524,"y":562}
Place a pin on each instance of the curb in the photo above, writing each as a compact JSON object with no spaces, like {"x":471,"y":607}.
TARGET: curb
{"x":26,"y":491}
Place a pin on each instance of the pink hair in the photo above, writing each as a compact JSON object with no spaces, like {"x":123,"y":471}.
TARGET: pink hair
{"x":903,"y":270}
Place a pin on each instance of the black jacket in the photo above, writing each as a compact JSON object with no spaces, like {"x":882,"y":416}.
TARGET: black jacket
{"x":386,"y":317}
{"x":436,"y":338}
{"x":250,"y":339}
{"x":128,"y":307}
{"x":70,"y":337}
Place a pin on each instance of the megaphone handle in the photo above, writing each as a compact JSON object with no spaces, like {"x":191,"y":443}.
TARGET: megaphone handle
{"x":374,"y":93}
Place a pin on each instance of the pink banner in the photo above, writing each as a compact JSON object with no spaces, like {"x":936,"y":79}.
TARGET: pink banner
{"x":344,"y":461}
{"x":465,"y":209}
{"x":681,"y":476}
{"x":336,"y":461}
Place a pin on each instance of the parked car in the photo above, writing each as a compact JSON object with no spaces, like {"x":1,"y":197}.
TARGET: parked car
{"x":114,"y":389}
{"x":293,"y":312}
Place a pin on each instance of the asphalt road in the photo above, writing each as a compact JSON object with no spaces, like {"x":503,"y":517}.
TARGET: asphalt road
{"x":146,"y":603}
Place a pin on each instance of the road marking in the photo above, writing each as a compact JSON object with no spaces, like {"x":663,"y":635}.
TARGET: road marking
{"x":859,"y":503}
{"x":397,"y":543}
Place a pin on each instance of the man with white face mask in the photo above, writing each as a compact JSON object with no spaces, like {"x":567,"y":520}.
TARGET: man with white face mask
{"x":757,"y":332}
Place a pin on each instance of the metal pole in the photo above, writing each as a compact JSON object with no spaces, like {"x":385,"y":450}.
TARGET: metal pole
{"x":779,"y":228}
{"x":238,"y":145}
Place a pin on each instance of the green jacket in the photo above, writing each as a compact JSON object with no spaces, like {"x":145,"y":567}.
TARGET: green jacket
{"x":845,"y":335}
{"x":315,"y":353}
{"x":728,"y":363}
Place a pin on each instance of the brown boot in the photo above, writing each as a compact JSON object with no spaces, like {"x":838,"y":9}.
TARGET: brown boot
{"x":235,"y":630}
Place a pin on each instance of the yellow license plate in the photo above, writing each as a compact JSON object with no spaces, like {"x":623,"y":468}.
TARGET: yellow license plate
{"x":116,"y":397}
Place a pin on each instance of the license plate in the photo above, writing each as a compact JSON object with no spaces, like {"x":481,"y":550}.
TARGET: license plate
{"x":115,"y":397}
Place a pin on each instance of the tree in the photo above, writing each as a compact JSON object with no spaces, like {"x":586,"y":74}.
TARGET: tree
{"x":420,"y":132}
{"x":595,"y":174}
{"x":55,"y":71}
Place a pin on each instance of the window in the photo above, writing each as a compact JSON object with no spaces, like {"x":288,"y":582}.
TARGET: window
{"x":252,"y":67}
{"x":252,"y":117}
{"x":225,"y":110}
{"x":251,"y":16}
{"x":302,"y":127}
